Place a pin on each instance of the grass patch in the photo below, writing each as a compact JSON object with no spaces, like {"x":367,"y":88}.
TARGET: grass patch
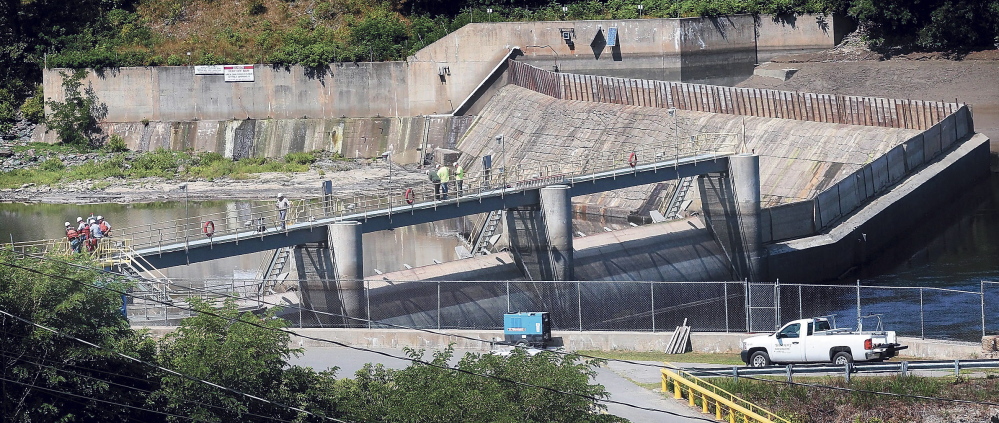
{"x":42,"y":148}
{"x":691,"y":357}
{"x":160,"y":163}
{"x":813,"y":404}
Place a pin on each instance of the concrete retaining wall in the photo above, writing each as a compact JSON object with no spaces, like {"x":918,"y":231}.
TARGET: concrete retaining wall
{"x":828,"y":108}
{"x":811,"y":217}
{"x":878,"y":224}
{"x":440,"y":76}
{"x":237,"y":139}
{"x":707,"y":342}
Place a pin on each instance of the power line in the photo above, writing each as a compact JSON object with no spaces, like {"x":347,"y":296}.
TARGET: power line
{"x":94,"y":399}
{"x":126,"y":386}
{"x":341,"y":344}
{"x":173,"y":372}
{"x":556,"y":352}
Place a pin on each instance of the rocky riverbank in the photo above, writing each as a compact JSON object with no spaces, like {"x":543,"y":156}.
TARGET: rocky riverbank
{"x":348,"y":176}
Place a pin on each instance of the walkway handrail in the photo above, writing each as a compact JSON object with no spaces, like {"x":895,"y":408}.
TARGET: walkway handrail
{"x":245,"y":221}
{"x":726,"y":405}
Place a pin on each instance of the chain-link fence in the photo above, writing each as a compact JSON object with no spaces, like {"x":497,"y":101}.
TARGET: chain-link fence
{"x":926,"y":312}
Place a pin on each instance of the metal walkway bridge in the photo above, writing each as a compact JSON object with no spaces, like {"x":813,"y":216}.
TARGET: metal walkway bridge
{"x":213,"y":236}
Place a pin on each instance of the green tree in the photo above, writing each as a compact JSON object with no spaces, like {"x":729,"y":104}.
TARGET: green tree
{"x":433,"y":393}
{"x":44,"y":370}
{"x":240,"y":351}
{"x":75,"y":119}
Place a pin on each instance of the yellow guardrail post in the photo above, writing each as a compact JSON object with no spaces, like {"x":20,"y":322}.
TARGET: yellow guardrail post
{"x":725,"y":404}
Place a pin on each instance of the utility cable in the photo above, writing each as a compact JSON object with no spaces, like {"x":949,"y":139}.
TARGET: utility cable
{"x":637,"y":363}
{"x":146,"y":391}
{"x":94,"y":399}
{"x":337,"y":343}
{"x":138,"y":360}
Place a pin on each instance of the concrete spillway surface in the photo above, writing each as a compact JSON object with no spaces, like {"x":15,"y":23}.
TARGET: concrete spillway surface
{"x":797,"y":158}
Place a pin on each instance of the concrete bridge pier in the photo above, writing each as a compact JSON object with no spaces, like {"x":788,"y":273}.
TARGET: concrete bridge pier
{"x":541,"y":235}
{"x":344,"y":239}
{"x":731,"y":204}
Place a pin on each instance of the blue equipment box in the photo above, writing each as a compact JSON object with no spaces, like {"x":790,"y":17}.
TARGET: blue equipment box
{"x":532,"y":328}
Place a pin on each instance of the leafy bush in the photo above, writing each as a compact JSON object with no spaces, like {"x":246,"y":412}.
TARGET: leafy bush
{"x":53,"y":165}
{"x":33,"y":108}
{"x":300,"y":158}
{"x":162,"y":163}
{"x":252,"y":161}
{"x":208,"y":157}
{"x":115,"y":144}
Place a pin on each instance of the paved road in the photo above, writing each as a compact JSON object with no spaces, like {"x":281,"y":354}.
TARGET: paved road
{"x":618,"y":378}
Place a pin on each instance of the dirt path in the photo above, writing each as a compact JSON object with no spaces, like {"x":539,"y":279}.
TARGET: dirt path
{"x":974,"y":80}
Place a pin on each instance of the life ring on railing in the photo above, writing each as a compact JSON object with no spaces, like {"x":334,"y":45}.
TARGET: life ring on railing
{"x":208,"y":228}
{"x":410,"y":197}
{"x":633,"y":160}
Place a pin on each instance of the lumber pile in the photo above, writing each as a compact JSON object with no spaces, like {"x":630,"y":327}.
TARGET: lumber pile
{"x":679,"y":343}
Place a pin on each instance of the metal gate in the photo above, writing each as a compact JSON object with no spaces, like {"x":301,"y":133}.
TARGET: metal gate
{"x":761,"y":307}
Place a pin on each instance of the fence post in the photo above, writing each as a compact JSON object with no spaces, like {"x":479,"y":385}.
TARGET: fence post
{"x":725,"y":293}
{"x":652,"y":295}
{"x":579,"y":305}
{"x":777,"y":304}
{"x":748,"y":303}
{"x":801,"y":310}
{"x":301,"y":302}
{"x":508,"y":296}
{"x":981,"y":294}
{"x":367,"y":301}
{"x":922,"y":319}
{"x":438,"y":305}
{"x":860,"y":324}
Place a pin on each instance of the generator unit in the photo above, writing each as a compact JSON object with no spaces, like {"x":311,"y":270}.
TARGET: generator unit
{"x":530,"y":328}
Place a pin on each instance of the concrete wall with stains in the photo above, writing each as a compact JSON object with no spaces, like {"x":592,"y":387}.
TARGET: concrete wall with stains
{"x":442,"y":75}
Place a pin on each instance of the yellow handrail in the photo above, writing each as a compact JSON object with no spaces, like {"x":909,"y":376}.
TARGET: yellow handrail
{"x":727,"y":407}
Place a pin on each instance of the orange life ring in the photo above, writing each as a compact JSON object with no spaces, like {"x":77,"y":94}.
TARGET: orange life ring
{"x":410,"y":197}
{"x":633,"y":159}
{"x":208,"y":228}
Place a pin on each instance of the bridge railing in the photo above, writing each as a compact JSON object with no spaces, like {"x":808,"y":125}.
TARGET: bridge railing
{"x":256,"y":220}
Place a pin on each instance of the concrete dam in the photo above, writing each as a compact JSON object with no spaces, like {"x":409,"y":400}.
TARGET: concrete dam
{"x":839,"y":179}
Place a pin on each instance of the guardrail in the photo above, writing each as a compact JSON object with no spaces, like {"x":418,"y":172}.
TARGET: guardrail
{"x":714,"y":400}
{"x":901,"y":367}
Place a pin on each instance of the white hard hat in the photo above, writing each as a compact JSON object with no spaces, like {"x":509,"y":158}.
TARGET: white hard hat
{"x":79,"y":219}
{"x":280,"y":195}
{"x":100,"y":217}
{"x":67,"y":223}
{"x":455,"y":163}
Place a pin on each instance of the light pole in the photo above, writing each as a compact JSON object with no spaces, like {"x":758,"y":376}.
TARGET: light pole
{"x":640,"y":8}
{"x":489,"y":14}
{"x":565,"y":12}
{"x":187,"y":216}
{"x":499,"y":140}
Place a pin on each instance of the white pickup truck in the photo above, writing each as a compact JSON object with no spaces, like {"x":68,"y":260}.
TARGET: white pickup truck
{"x":815,"y":340}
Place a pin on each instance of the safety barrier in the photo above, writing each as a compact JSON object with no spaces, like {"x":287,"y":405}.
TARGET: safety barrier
{"x":255,"y":220}
{"x":723,"y":404}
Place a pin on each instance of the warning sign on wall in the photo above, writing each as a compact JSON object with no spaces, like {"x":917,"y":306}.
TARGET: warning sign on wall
{"x":208,"y":70}
{"x":238,"y":73}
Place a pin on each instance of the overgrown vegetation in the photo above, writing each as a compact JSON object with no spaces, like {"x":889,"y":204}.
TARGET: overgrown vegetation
{"x":104,"y":34}
{"x":248,"y":354}
{"x":160,"y":163}
{"x":805,"y":404}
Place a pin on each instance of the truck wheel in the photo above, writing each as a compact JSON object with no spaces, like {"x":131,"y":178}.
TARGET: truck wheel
{"x":759,"y":359}
{"x":841,"y":358}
